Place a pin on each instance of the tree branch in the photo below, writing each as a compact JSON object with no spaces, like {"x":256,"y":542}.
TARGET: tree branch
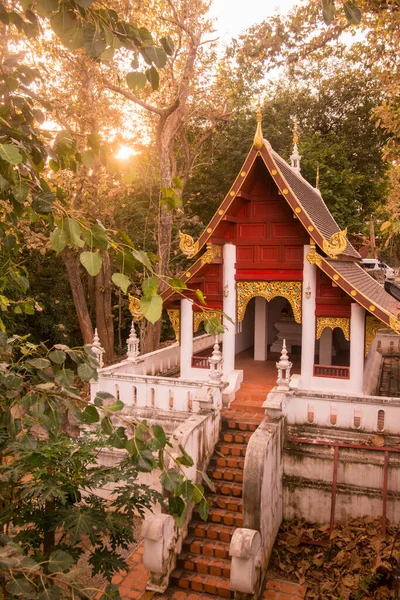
{"x":132,"y":98}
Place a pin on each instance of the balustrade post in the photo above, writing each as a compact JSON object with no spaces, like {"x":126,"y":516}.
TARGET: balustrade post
{"x":216,"y":364}
{"x":98,"y":349}
{"x":133,"y":344}
{"x":284,"y":365}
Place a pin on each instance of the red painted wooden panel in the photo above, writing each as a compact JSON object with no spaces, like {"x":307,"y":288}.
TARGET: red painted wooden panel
{"x":265,"y":209}
{"x":250,"y":231}
{"x":245,"y":253}
{"x":211,"y":288}
{"x":269,"y":275}
{"x":332,"y":310}
{"x":285,"y":230}
{"x":328,"y":291}
{"x":268,"y":254}
{"x":293,"y":254}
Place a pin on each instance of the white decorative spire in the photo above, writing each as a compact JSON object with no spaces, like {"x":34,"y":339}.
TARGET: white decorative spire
{"x":215,"y":361}
{"x":284,"y":365}
{"x":295,"y":157}
{"x":133,"y":344}
{"x":97,"y":348}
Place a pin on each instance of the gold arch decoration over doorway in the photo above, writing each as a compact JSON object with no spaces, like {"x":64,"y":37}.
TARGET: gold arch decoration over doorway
{"x":174,"y":315}
{"x":372,"y":325}
{"x":291,"y":290}
{"x":200,"y":316}
{"x":342,"y":323}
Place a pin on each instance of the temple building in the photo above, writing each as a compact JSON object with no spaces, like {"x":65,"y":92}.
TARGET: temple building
{"x":293,"y":410}
{"x":275,"y":262}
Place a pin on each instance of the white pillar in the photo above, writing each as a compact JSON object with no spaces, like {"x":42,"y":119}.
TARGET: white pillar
{"x":325,"y":347}
{"x":308,"y":321}
{"x":229,"y":308}
{"x":357,"y":333}
{"x":186,"y":332}
{"x":260,"y":329}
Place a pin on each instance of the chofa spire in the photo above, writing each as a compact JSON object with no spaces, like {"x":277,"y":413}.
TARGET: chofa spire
{"x":258,"y":138}
{"x":295,"y":157}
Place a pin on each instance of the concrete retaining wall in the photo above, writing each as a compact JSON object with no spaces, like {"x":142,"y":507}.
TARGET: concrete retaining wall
{"x":308,"y":475}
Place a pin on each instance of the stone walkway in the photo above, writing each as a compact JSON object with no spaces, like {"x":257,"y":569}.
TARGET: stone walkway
{"x":132,"y":586}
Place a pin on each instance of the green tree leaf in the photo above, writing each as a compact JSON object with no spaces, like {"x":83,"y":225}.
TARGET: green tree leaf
{"x":57,"y":356}
{"x":10,"y":154}
{"x":90,"y":414}
{"x":60,"y":562}
{"x":117,"y":406}
{"x":39,"y":363}
{"x":352,"y":12}
{"x":168,"y":45}
{"x":50,"y":593}
{"x":151,"y":308}
{"x":121,"y":281}
{"x":46,"y":8}
{"x":153,"y":77}
{"x":171,"y":480}
{"x":150,"y":287}
{"x":136,"y":80}
{"x":92,"y":262}
{"x":200,"y":296}
{"x":86,"y":372}
{"x":92,"y":41}
{"x":21,"y":588}
{"x":142,"y":257}
{"x":99,"y":235}
{"x":87,"y":158}
{"x":107,"y":426}
{"x":58,"y":239}
{"x":328,"y":10}
{"x":204,"y":508}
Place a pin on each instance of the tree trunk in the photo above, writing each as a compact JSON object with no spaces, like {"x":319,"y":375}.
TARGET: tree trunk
{"x":72,"y":266}
{"x":372,"y":241}
{"x":104,"y":317}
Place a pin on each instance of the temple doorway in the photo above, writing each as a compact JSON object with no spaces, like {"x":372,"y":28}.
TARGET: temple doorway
{"x":259,"y":338}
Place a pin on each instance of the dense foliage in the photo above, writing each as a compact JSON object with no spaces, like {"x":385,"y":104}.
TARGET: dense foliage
{"x":53,"y":504}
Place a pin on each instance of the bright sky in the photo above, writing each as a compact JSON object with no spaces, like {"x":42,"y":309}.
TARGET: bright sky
{"x":234,"y":16}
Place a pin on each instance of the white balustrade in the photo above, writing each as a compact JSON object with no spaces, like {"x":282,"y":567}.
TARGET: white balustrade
{"x":366,"y":413}
{"x":161,"y":393}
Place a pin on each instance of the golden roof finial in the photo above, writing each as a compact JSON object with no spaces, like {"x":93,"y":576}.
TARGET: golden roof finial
{"x":258,"y":138}
{"x":295,"y":133}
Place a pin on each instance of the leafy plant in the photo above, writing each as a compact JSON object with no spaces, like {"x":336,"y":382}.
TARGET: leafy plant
{"x":51,"y":500}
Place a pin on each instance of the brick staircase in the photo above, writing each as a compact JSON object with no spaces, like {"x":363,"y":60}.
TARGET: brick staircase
{"x":251,"y":396}
{"x":204,"y":563}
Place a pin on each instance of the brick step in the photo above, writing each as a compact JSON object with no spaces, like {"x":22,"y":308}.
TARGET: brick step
{"x":223,"y":474}
{"x":231,"y":423}
{"x":226,"y":503}
{"x":236,"y":437}
{"x":230,"y":462}
{"x":259,"y":387}
{"x":207,"y":548}
{"x":229,"y":449}
{"x":226,"y":488}
{"x":248,"y":406}
{"x":222,"y":516}
{"x":210,"y":531}
{"x":206,"y":565}
{"x":206,"y":584}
